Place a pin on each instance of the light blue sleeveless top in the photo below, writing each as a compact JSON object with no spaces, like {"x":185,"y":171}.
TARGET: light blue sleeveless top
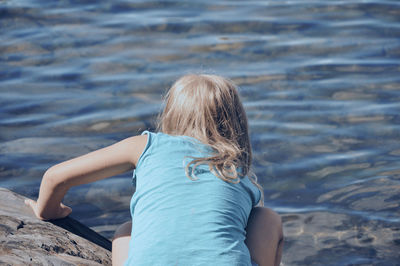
{"x":178,"y":221}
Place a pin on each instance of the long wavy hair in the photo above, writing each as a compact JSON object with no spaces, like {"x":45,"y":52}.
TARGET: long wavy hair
{"x":208,"y":108}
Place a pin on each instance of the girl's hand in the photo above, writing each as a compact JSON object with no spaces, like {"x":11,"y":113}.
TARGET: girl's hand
{"x":61,"y":212}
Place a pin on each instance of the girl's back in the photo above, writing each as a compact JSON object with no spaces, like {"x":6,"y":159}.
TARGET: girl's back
{"x":179,"y":221}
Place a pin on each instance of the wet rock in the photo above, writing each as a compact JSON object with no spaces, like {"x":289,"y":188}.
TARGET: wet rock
{"x":24,"y":239}
{"x":326,"y":238}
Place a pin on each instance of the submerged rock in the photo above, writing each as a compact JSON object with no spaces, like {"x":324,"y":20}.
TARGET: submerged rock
{"x":24,"y":239}
{"x":328,"y":238}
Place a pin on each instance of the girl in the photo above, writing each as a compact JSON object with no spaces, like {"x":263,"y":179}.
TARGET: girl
{"x":195,"y":196}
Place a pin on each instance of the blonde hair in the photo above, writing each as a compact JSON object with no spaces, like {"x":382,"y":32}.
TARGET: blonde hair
{"x":208,"y":108}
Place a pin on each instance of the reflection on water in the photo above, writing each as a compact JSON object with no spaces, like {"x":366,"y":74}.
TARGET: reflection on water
{"x":320,"y":82}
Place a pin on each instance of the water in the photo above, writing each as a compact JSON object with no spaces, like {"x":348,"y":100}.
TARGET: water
{"x":319,"y":79}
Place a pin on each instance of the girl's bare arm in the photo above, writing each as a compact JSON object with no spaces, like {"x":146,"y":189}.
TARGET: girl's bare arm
{"x":109,"y":161}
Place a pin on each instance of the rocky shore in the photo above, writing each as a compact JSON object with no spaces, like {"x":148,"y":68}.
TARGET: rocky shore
{"x":311,"y":238}
{"x":26,"y":240}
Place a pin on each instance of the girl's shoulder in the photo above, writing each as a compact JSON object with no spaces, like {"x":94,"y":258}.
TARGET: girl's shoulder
{"x":134,"y":146}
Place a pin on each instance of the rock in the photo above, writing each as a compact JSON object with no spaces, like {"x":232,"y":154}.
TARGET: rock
{"x":24,"y":239}
{"x":331,"y":238}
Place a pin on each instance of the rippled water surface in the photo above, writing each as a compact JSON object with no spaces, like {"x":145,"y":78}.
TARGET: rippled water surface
{"x":320,"y":81}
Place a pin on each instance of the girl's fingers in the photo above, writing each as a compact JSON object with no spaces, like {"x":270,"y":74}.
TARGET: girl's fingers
{"x":66,"y":211}
{"x":31,"y":203}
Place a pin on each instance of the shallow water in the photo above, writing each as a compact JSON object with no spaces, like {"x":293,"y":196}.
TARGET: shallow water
{"x":319,"y":79}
